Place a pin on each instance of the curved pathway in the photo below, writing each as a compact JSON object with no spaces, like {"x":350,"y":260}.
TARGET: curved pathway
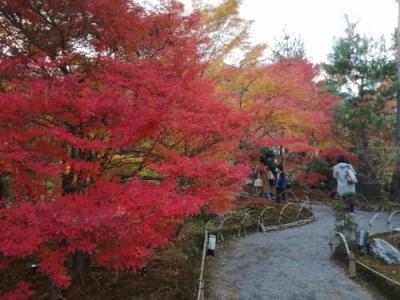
{"x":288,"y":264}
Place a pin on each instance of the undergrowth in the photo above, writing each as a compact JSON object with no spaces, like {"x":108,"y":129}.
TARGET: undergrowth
{"x":171,"y":274}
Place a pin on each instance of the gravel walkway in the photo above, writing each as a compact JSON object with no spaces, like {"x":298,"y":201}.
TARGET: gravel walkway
{"x":288,"y":264}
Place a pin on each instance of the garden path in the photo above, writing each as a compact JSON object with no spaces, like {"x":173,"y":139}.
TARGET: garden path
{"x":288,"y":264}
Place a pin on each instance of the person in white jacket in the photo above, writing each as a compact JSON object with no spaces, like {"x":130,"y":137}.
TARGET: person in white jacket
{"x":341,"y":174}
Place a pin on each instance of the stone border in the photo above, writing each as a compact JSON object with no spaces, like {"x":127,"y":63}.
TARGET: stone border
{"x":290,"y":225}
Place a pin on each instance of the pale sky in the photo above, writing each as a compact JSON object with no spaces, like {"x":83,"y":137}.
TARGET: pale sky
{"x":317,"y":21}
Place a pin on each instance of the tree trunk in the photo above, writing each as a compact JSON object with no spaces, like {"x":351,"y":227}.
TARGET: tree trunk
{"x":79,"y":266}
{"x":365,"y":155}
{"x":282,"y":156}
{"x":396,"y":185}
{"x":55,"y":293}
{"x":396,"y":177}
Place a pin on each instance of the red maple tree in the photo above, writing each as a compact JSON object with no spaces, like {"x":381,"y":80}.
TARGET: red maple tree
{"x":108,"y":133}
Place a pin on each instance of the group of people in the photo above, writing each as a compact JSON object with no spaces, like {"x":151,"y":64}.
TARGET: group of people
{"x":269,"y":180}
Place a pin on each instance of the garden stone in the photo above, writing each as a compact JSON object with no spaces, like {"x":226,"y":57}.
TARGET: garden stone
{"x":385,"y":251}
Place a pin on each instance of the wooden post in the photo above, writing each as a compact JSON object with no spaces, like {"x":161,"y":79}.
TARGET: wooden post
{"x":200,"y":292}
{"x":352,"y":265}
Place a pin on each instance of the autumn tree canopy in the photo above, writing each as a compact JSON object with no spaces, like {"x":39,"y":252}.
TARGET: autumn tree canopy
{"x":109,"y":134}
{"x":284,"y":98}
{"x":120,"y":119}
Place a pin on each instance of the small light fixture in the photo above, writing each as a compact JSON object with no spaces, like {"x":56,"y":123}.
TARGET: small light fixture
{"x":212,"y":243}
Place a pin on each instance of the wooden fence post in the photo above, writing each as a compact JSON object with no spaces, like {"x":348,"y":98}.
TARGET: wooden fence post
{"x":352,"y":265}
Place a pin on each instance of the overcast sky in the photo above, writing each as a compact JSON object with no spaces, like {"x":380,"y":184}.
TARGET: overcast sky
{"x":317,"y":21}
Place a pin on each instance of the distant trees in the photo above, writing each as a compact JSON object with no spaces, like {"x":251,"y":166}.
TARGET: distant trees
{"x":283,"y":99}
{"x":362,"y":72}
{"x":288,"y":47}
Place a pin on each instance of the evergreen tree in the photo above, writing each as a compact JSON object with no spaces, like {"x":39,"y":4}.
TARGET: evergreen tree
{"x":361,"y":71}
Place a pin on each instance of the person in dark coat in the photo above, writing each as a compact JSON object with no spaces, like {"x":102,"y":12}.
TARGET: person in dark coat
{"x":281,"y":184}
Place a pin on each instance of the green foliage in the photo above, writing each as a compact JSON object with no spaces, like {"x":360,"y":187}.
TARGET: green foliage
{"x":359,"y":70}
{"x":267,"y":153}
{"x":384,"y":155}
{"x":268,"y":157}
{"x":358,"y":66}
{"x":349,"y":195}
{"x":344,"y":222}
{"x":363,"y":73}
{"x":339,"y":206}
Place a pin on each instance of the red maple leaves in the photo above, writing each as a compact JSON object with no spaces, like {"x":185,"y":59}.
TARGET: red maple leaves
{"x":108,"y":133}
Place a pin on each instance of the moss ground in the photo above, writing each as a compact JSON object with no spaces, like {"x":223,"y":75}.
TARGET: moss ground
{"x":391,"y":291}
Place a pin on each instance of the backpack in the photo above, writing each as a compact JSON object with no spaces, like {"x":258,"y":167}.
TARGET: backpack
{"x":351,"y":177}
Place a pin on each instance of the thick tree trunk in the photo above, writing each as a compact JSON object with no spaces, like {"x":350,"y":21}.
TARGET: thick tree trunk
{"x":396,"y":185}
{"x":365,"y":155}
{"x":79,"y":262}
{"x":396,"y":177}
